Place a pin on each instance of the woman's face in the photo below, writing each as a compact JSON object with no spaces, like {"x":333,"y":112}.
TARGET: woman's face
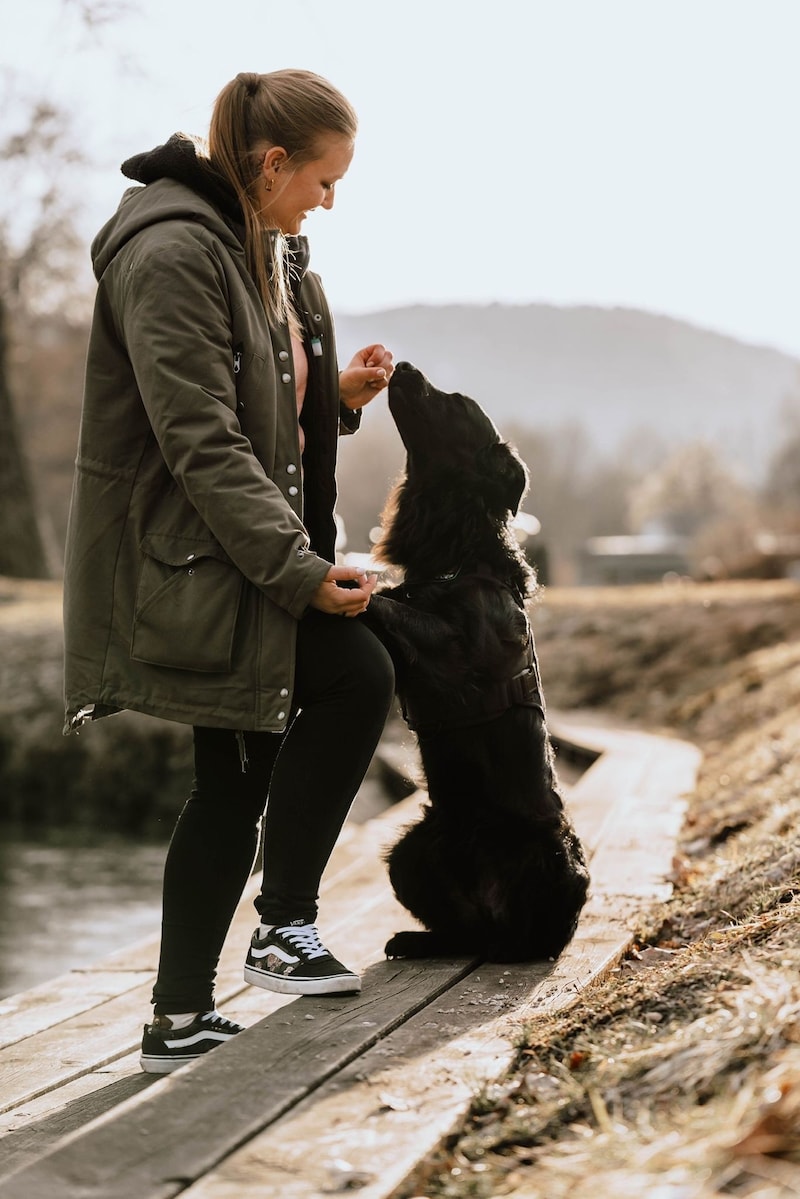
{"x":296,"y":190}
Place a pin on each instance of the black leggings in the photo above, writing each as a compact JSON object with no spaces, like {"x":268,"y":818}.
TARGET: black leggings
{"x":344,"y":685}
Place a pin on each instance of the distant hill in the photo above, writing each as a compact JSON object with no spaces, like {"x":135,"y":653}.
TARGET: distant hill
{"x":614,"y":371}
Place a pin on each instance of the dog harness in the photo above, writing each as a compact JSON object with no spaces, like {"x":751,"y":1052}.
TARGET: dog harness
{"x":424,"y":713}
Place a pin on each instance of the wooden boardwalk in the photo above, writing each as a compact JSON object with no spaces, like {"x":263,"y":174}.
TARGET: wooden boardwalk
{"x":321,"y":1094}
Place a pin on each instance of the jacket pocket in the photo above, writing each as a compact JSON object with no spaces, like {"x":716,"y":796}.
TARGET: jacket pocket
{"x":187,"y":604}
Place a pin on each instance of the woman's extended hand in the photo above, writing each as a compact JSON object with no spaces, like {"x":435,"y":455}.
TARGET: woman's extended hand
{"x":344,"y":601}
{"x":368,"y":372}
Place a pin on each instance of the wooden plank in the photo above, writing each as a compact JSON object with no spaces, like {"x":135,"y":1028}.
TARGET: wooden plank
{"x":91,"y":1039}
{"x":71,"y":1048}
{"x":54,"y":1061}
{"x":94,"y":1036}
{"x":69,"y":994}
{"x":29,"y":1138}
{"x":314,"y":1087}
{"x":380,"y":1119}
{"x":152,"y":1144}
{"x":368,"y":918}
{"x":645,"y":794}
{"x":61,"y":998}
{"x":385,"y":1111}
{"x":596,"y":795}
{"x":634,"y":772}
{"x":636,"y":849}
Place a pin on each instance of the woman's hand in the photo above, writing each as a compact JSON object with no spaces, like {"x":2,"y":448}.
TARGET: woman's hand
{"x":368,"y":372}
{"x":344,"y":601}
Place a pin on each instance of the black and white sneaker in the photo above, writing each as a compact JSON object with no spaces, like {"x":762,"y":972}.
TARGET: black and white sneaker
{"x":165,"y":1048}
{"x":292,"y":959}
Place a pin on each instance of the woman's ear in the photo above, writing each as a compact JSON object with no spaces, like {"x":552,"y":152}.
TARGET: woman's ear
{"x":273,"y":160}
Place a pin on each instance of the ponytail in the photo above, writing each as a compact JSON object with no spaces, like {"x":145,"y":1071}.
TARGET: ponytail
{"x":292,"y":109}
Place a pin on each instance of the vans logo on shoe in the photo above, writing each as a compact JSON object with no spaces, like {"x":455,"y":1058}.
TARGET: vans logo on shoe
{"x":275,"y":955}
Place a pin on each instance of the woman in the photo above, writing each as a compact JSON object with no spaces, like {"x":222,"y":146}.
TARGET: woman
{"x":200,"y":582}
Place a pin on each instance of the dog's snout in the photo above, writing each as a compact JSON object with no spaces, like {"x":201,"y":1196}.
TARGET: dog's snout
{"x":413,"y":378}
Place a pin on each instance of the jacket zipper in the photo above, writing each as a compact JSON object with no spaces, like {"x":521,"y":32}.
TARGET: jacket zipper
{"x":243,"y":758}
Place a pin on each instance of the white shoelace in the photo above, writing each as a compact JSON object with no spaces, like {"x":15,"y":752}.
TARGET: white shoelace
{"x":217,"y":1020}
{"x":305,"y":938}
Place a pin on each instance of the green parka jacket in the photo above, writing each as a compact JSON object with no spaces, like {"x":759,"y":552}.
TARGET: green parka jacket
{"x":188,"y":559}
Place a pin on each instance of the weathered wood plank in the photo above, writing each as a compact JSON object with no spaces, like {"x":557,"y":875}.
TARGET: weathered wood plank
{"x":152,"y":1144}
{"x":636,"y":848}
{"x":367,"y":918}
{"x":62,"y":998}
{"x":354,"y":863}
{"x":389,"y":1108}
{"x":82,"y":1102}
{"x":295,"y":1085}
{"x":351,"y":1120}
{"x":41,"y":1007}
{"x":93,"y":1038}
{"x":636,"y":774}
{"x":88,"y":1040}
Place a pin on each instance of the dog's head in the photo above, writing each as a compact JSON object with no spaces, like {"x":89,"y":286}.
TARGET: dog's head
{"x":448,"y":434}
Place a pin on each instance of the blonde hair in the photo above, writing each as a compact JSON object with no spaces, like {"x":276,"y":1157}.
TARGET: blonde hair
{"x":293,"y":109}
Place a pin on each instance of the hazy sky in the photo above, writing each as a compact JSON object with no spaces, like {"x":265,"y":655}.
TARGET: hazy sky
{"x":641,"y":153}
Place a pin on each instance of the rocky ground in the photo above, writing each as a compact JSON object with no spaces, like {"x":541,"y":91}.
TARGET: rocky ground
{"x":678,"y":1077}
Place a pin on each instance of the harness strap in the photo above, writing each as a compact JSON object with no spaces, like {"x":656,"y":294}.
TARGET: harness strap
{"x":524,"y":689}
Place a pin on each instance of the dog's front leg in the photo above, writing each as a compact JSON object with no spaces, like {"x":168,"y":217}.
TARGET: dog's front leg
{"x":405,"y":630}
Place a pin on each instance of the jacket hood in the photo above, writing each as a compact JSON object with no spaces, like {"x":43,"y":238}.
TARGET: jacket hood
{"x":179,"y":184}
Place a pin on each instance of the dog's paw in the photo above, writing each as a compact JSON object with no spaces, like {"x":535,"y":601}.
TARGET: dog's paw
{"x":415,"y":945}
{"x":405,"y":945}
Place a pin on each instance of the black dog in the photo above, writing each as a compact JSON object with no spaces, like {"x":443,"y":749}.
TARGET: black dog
{"x":494,"y":867}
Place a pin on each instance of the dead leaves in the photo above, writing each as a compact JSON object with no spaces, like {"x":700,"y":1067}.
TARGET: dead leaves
{"x":776,"y":1132}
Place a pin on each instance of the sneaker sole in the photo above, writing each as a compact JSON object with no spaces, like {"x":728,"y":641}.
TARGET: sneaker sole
{"x":343,"y":985}
{"x":165,"y":1065}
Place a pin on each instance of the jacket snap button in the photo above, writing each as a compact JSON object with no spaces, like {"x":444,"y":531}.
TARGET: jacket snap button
{"x":283,"y":355}
{"x":284,"y":692}
{"x":317,"y":316}
{"x":286,"y":377}
{"x":301,"y":553}
{"x":292,"y":491}
{"x":281,"y":715}
{"x":291,"y":468}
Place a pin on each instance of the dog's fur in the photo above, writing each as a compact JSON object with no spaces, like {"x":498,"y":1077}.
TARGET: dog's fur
{"x":494,"y":867}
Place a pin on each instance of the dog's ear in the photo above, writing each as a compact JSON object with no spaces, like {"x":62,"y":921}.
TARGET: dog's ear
{"x":506,"y":472}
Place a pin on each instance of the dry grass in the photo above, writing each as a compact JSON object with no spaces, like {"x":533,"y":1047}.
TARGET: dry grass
{"x":678,"y":1077}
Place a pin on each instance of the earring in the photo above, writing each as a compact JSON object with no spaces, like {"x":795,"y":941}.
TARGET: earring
{"x":267,"y":185}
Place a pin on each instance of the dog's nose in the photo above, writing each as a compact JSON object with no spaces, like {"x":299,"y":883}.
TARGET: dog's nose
{"x":404,"y":366}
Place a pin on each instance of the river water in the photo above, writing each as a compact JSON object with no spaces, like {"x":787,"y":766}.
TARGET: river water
{"x":65,"y":906}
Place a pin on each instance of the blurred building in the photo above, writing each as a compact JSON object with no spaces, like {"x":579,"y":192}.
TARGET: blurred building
{"x":635,"y":558}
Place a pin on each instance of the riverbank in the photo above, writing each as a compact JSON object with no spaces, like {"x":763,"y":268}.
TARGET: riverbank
{"x":128,"y":773}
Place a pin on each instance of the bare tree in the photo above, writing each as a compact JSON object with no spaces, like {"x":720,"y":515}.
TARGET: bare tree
{"x":691,"y":488}
{"x":40,"y":254}
{"x":782,"y":485}
{"x":37,"y":247}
